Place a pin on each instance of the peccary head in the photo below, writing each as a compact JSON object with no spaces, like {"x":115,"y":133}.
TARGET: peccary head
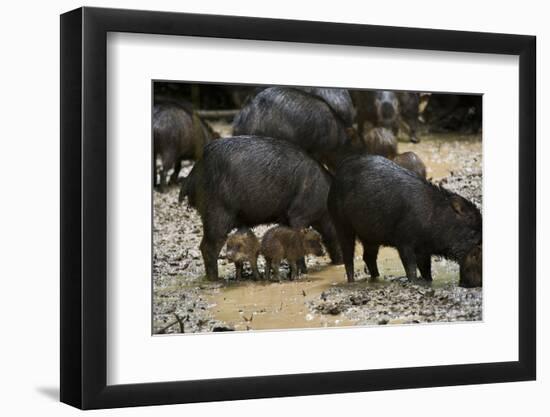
{"x":471,"y":268}
{"x":312,"y":242}
{"x":387,"y":107}
{"x":459,"y":225}
{"x":242,"y":246}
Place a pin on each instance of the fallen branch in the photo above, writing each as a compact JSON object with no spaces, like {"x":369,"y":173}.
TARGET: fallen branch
{"x":180,"y":321}
{"x":163,"y":330}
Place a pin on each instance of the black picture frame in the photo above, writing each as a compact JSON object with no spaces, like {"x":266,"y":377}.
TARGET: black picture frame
{"x":84,"y":207}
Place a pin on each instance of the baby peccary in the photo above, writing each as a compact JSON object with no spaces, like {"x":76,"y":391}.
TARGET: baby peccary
{"x":381,"y":141}
{"x":282,"y":242}
{"x":471,"y":268}
{"x":243,"y":246}
{"x":412,"y":162}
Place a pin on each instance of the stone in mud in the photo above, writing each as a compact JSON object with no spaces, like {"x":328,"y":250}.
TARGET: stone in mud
{"x":328,"y":308}
{"x":359,"y":299}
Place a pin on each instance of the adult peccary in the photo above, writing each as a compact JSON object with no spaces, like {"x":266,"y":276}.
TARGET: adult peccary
{"x":387,"y":109}
{"x":178,"y":134}
{"x":252,"y":180}
{"x":380,"y":203}
{"x":338,"y":99}
{"x":299,"y":117}
{"x":410,"y":112}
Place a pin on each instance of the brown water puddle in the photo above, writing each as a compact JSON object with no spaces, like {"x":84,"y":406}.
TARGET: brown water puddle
{"x":253,"y":305}
{"x":249,"y":305}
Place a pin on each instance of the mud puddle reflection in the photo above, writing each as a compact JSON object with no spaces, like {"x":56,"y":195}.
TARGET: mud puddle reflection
{"x":262,"y":305}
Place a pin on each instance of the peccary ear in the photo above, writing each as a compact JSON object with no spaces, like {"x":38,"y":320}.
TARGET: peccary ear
{"x":459,"y":205}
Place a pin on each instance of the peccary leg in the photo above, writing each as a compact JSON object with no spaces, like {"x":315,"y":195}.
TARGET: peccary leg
{"x":176,"y":173}
{"x":406,"y":253}
{"x":267,"y":271}
{"x":424,"y":262}
{"x":162,"y":183}
{"x":238,"y":270}
{"x":293,"y":270}
{"x":167,"y":163}
{"x":216,"y":227}
{"x":210,"y":250}
{"x":155,"y":183}
{"x":370,"y":254}
{"x":297,"y":222}
{"x":276,"y":265}
{"x":254,"y":266}
{"x":331,"y":239}
{"x":346,"y":237}
{"x":302,"y":267}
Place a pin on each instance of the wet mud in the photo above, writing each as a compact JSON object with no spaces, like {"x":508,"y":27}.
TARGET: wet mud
{"x":183,"y":301}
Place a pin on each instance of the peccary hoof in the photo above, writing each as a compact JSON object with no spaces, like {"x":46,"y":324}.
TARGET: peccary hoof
{"x":420,"y":282}
{"x":212,"y":279}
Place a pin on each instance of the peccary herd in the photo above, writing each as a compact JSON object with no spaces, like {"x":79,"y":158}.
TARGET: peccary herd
{"x":296,"y":160}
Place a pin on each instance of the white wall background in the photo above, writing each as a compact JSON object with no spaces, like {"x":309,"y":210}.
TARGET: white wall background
{"x":29,"y":212}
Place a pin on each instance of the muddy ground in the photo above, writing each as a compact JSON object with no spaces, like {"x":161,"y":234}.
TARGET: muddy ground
{"x":183,"y":301}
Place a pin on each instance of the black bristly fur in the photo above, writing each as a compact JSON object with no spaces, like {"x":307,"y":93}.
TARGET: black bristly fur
{"x":252,"y":180}
{"x":300,"y":117}
{"x":381,"y":203}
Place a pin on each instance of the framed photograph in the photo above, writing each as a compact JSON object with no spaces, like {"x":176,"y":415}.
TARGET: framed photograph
{"x":257,"y":208}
